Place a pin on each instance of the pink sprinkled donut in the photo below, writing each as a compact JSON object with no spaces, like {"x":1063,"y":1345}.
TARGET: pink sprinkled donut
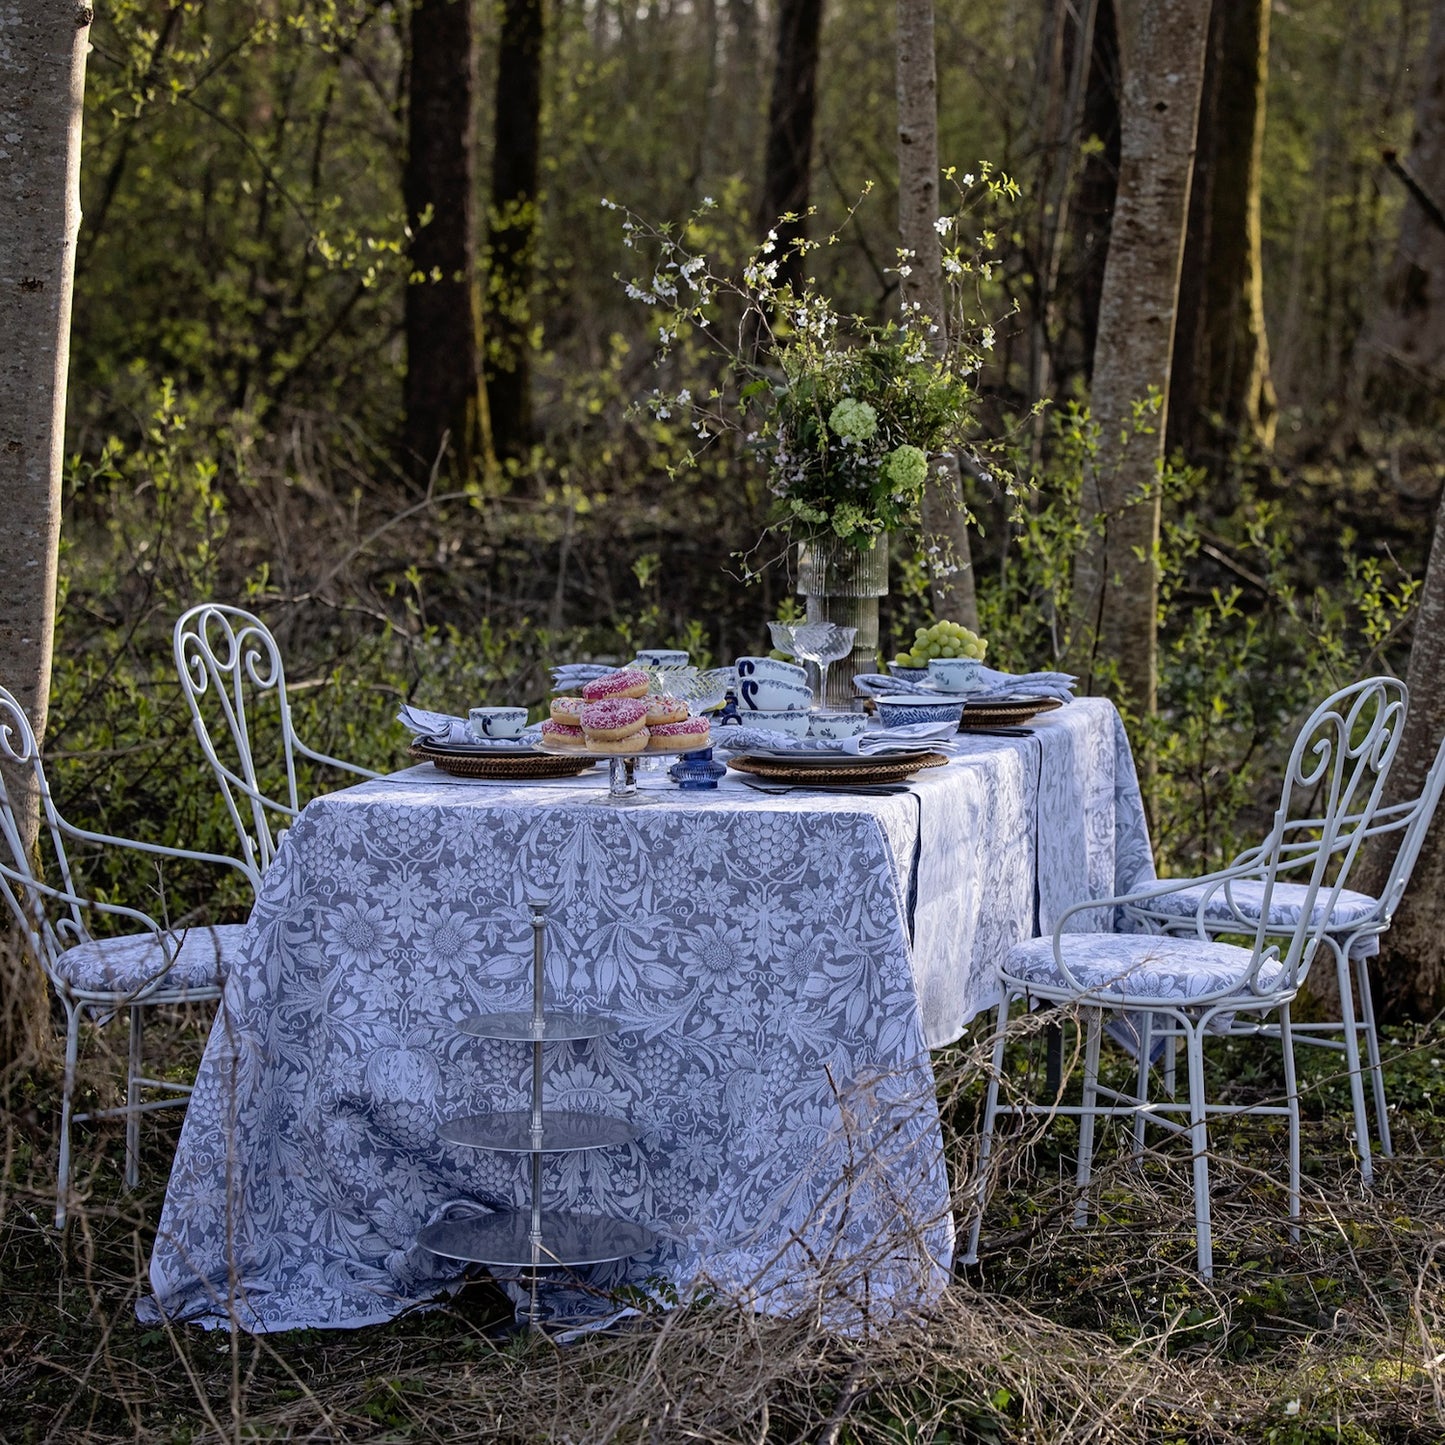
{"x":615,"y":718}
{"x":627,"y":683}
{"x":663,"y":709}
{"x":567,"y":710}
{"x":668,"y":737}
{"x":560,"y":735}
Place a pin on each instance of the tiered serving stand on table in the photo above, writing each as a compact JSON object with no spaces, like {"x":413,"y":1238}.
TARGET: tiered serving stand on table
{"x":538,"y":1239}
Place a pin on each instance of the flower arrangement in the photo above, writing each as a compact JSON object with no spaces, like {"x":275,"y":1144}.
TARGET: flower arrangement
{"x":849,"y":415}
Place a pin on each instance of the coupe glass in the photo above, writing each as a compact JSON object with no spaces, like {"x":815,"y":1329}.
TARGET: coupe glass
{"x":820,"y":642}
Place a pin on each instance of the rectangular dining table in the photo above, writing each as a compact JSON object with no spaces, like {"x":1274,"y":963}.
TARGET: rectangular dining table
{"x":779,"y":968}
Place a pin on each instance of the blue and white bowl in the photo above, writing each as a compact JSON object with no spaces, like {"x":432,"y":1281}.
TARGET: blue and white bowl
{"x":899,"y":710}
{"x":793,"y":721}
{"x":907,"y":674}
{"x":661,"y":657}
{"x":955,"y":674}
{"x":837,"y":724}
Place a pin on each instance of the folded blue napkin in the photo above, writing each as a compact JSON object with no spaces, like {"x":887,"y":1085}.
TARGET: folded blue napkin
{"x":996,"y":686}
{"x":876,"y":742}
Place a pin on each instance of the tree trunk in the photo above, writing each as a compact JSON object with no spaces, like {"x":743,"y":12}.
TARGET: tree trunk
{"x":1115,"y":592}
{"x":512,"y":242}
{"x":1402,"y":357}
{"x":944,"y":525}
{"x":42,"y":83}
{"x":1092,"y":212}
{"x":1410,"y":969}
{"x":1222,"y":397}
{"x":444,"y":397}
{"x":788,"y":162}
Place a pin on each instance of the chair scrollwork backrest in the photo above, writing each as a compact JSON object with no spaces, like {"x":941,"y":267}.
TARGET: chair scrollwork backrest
{"x":51,"y":913}
{"x":230,"y":667}
{"x":1337,"y":768}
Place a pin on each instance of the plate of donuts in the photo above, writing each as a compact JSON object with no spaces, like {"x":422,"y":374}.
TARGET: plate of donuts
{"x":618,"y":716}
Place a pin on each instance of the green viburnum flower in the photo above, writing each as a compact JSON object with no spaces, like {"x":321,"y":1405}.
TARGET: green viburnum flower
{"x":805,"y":513}
{"x":907,"y":468}
{"x":850,"y":519}
{"x":854,"y":421}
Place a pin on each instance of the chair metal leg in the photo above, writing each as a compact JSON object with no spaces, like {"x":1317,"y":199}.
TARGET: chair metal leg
{"x":133,"y":1074}
{"x":1093,"y":1027}
{"x":1199,"y":1139}
{"x":1352,"y":1059}
{"x":67,"y":1104}
{"x":990,"y":1119}
{"x":1372,"y":1050}
{"x":1291,"y":1085}
{"x":1171,"y":1086}
{"x":1141,"y":1088}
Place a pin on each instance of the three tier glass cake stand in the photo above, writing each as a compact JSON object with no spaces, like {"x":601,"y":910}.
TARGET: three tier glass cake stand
{"x":538,"y":1239}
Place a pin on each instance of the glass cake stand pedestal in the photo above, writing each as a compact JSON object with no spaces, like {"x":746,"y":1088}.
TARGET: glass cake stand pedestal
{"x":622,"y":770}
{"x":537,"y":1239}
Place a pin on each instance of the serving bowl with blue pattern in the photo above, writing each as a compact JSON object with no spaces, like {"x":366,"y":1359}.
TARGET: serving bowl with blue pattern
{"x":897,"y":709}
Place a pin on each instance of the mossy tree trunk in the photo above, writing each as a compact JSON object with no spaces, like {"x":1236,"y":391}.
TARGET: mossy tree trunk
{"x":1401,"y":364}
{"x":1410,"y":968}
{"x":944,"y":522}
{"x":1115,"y":592}
{"x":43,"y":45}
{"x":445,"y":401}
{"x":512,"y":239}
{"x":788,"y":158}
{"x":1222,"y":398}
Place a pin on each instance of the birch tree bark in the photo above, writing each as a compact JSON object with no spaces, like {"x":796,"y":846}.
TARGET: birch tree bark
{"x":943,"y":520}
{"x":42,"y":81}
{"x":1116,"y":586}
{"x":1411,"y":963}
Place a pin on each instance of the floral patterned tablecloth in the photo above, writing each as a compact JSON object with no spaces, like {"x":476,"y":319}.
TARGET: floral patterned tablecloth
{"x":779,"y":966}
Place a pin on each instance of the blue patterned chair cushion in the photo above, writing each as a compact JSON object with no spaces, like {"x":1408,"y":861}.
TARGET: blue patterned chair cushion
{"x":132,"y":962}
{"x":1285,"y":906}
{"x":1139,"y":965}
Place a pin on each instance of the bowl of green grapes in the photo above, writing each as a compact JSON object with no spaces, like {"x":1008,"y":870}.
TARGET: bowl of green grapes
{"x":940,"y":639}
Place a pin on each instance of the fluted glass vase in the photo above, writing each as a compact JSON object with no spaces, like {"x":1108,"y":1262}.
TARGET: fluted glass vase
{"x":842,"y":583}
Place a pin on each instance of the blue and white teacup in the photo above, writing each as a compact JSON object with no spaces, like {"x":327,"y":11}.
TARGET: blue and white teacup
{"x":489,"y":723}
{"x":793,"y":721}
{"x":661,"y":657}
{"x":955,"y":674}
{"x":766,"y":694}
{"x":770,"y":667}
{"x":837,"y":724}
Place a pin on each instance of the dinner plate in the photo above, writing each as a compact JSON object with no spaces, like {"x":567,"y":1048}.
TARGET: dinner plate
{"x":1010,"y":712}
{"x":503,"y":767}
{"x":840,"y":767}
{"x":817,"y":757}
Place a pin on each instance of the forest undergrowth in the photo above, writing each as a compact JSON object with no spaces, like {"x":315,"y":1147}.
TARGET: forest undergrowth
{"x":1097,"y":1334}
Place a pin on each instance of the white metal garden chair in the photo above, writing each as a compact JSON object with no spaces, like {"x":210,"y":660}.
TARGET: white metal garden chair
{"x":1197,"y":985}
{"x":154,"y":962}
{"x":230,"y":666}
{"x":1356,"y":922}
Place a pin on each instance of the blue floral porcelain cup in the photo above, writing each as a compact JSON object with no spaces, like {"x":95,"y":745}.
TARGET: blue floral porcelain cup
{"x":661,"y":657}
{"x":488,"y":723}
